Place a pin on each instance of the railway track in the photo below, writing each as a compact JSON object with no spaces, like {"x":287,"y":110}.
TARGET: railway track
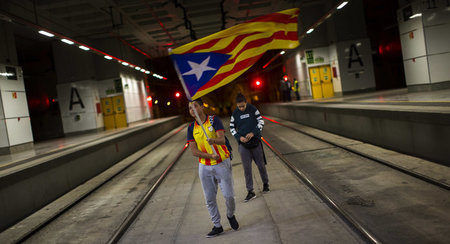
{"x":367,"y":229}
{"x":417,"y":175}
{"x":356,"y":221}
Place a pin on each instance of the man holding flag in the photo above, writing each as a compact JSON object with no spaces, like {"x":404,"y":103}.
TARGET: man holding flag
{"x":212,"y":62}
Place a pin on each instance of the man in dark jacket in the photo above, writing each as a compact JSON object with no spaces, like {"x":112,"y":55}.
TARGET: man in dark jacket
{"x":246,"y":125}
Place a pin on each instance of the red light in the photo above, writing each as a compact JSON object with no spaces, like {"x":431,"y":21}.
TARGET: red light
{"x":258,"y":83}
{"x":149,"y":99}
{"x":177,"y":94}
{"x":285,"y":78}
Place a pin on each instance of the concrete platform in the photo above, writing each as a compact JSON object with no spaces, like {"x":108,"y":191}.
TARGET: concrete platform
{"x":28,"y":184}
{"x":417,"y":124}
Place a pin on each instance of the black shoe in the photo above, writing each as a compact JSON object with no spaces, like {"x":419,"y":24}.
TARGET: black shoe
{"x":251,"y":195}
{"x":215,"y":231}
{"x":266,"y":188}
{"x":233,"y":222}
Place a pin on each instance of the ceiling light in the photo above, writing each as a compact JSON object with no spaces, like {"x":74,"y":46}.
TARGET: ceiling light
{"x":147,"y":72}
{"x":125,"y":63}
{"x":137,"y":68}
{"x":310,"y":30}
{"x":342,"y":5}
{"x":45,"y":33}
{"x":415,"y":16}
{"x":6,"y":74}
{"x":282,"y":52}
{"x":67,"y":41}
{"x":108,"y":57}
{"x":84,"y":48}
{"x":142,"y":70}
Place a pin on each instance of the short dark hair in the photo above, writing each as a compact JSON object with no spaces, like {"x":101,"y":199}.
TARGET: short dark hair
{"x":198,"y":101}
{"x":240,"y":98}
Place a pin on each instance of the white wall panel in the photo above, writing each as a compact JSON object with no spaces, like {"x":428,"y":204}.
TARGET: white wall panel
{"x":11,"y":85}
{"x":3,"y":134}
{"x":416,"y":72}
{"x":2,"y":115}
{"x":409,"y":25}
{"x":78,"y":118}
{"x":357,"y":76}
{"x":14,"y":106}
{"x":79,"y":122}
{"x":438,"y":38}
{"x":337,"y":85}
{"x":86,"y":91}
{"x":320,"y":53}
{"x":413,"y":47}
{"x":106,"y":88}
{"x":19,"y":130}
{"x":439,"y":67}
{"x":135,"y":99}
{"x":436,"y":16}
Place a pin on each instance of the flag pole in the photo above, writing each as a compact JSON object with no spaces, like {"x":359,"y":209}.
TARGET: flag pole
{"x":188,"y":96}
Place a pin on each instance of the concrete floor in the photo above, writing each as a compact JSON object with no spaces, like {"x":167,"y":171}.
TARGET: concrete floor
{"x":290,"y":213}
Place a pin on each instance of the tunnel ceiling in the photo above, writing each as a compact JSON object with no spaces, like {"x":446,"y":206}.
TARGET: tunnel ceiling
{"x":150,"y":25}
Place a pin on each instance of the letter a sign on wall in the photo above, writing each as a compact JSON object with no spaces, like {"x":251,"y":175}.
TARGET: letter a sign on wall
{"x":356,"y":59}
{"x":78,"y":101}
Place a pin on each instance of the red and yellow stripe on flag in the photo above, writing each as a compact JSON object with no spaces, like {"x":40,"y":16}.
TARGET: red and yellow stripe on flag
{"x":216,"y":60}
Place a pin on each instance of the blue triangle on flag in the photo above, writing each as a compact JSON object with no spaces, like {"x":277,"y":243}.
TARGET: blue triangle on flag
{"x":198,"y":68}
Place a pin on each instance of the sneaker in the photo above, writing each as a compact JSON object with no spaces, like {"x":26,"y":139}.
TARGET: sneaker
{"x":251,"y":195}
{"x":266,"y":188}
{"x":215,"y":231}
{"x":233,"y":222}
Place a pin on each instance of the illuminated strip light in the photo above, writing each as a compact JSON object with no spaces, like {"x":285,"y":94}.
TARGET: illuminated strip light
{"x":6,"y":74}
{"x":342,"y":5}
{"x":137,"y":68}
{"x":67,"y":41}
{"x":310,"y":30}
{"x":125,"y":63}
{"x":84,"y":48}
{"x":415,"y":16}
{"x":159,"y":76}
{"x":282,"y":52}
{"x":143,"y":70}
{"x":80,"y":45}
{"x":147,"y":72}
{"x":45,"y":33}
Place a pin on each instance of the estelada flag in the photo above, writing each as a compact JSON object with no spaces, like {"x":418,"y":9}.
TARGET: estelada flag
{"x":214,"y":61}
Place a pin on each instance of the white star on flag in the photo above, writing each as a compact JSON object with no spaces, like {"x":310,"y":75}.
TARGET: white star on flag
{"x":198,"y":69}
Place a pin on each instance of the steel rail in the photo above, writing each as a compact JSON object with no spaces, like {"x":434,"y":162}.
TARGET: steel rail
{"x":353,"y":223}
{"x":48,"y":221}
{"x":143,"y":202}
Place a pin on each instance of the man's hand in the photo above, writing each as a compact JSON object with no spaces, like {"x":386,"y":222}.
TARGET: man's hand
{"x":249,"y":136}
{"x":215,"y":156}
{"x":210,"y":141}
{"x":243,"y":139}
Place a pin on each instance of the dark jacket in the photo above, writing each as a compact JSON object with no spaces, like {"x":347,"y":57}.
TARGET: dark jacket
{"x":242,"y":123}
